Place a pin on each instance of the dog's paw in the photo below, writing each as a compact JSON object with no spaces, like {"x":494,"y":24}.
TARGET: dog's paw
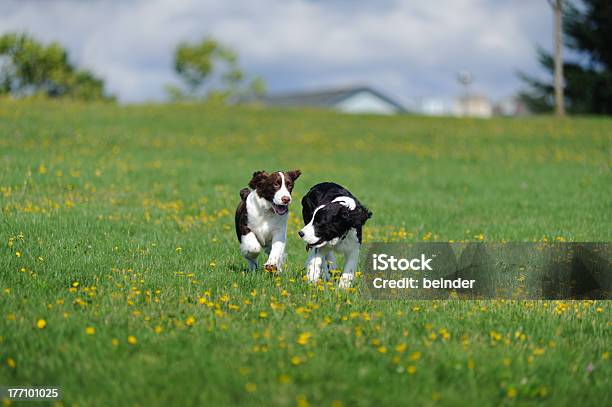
{"x":345,"y":282}
{"x":271,"y":268}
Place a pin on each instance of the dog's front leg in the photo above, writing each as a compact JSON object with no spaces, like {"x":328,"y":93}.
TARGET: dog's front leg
{"x":314,"y":264}
{"x":350,"y":266}
{"x":277,"y":253}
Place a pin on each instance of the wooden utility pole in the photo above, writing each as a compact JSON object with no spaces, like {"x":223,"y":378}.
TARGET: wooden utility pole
{"x":557,"y":6}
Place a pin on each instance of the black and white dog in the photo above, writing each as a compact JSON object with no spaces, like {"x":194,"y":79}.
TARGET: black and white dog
{"x":261,"y":217}
{"x":334,"y":219}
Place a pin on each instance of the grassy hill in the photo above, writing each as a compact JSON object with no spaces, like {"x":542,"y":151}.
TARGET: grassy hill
{"x":121,"y":279}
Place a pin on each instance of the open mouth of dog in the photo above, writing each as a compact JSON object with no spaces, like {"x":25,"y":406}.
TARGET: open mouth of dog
{"x":317,"y":244}
{"x":280,"y":209}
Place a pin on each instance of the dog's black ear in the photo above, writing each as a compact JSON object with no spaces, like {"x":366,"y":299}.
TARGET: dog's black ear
{"x":295,"y":174}
{"x":360,"y":215}
{"x":244,"y":193}
{"x":258,"y":178}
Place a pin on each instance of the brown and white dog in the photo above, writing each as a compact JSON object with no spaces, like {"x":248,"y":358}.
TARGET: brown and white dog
{"x":261,"y":217}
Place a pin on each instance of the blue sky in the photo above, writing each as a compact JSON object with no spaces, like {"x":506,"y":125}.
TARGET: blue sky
{"x":407,"y":49}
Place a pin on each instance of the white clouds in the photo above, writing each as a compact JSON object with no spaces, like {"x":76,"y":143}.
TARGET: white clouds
{"x":409,"y":49}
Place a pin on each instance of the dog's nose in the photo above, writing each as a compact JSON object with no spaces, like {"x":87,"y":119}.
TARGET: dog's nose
{"x":286,"y":199}
{"x":301,"y":233}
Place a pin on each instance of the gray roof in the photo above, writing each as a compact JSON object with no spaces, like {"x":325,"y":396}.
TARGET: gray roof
{"x":323,"y":98}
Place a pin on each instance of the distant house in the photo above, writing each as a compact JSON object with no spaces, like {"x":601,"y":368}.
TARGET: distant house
{"x":473,"y":106}
{"x":360,"y":99}
{"x":434,"y":106}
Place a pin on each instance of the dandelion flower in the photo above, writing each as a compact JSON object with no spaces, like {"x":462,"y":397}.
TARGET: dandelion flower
{"x":41,"y":324}
{"x":132,"y":340}
{"x":190,"y":320}
{"x":11,"y":363}
{"x":304,"y":338}
{"x":301,"y":401}
{"x":90,"y":330}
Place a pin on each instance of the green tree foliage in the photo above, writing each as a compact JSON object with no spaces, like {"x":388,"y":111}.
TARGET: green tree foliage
{"x":211,"y":70}
{"x":587,"y":29}
{"x":28,"y":68}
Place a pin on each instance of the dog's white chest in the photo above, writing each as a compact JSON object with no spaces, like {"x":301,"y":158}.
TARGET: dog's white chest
{"x":264,"y":222}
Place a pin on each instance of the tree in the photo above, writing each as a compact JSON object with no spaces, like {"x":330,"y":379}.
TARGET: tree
{"x":28,"y":68}
{"x":211,"y":70}
{"x":557,"y":6}
{"x":587,"y":31}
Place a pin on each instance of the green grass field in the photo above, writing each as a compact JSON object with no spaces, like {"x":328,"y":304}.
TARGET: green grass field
{"x":121,"y":279}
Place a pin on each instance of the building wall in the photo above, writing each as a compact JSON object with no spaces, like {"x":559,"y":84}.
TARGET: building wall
{"x":474,"y":106}
{"x":366,"y":102}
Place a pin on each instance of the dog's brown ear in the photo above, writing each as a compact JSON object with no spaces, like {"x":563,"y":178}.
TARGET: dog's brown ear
{"x":244,"y":193}
{"x":295,"y":174}
{"x":258,"y":178}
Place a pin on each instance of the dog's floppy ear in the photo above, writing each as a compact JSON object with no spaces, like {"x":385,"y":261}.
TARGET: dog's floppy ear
{"x":258,"y":178}
{"x":244,"y":193}
{"x":295,"y":174}
{"x":360,"y":215}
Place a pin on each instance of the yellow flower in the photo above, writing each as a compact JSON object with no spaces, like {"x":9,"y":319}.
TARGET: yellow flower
{"x":415,"y":355}
{"x":11,"y":363}
{"x":190,"y":320}
{"x":115,"y":342}
{"x":382,"y":349}
{"x":511,"y":393}
{"x":495,"y":336}
{"x":301,"y":401}
{"x":304,"y":338}
{"x":158,"y":329}
{"x":296,"y":360}
{"x":132,"y":340}
{"x":284,"y":378}
{"x":250,"y":387}
{"x":401,"y":347}
{"x":90,"y":330}
{"x":263,"y":314}
{"x":411,"y":369}
{"x":41,"y":324}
